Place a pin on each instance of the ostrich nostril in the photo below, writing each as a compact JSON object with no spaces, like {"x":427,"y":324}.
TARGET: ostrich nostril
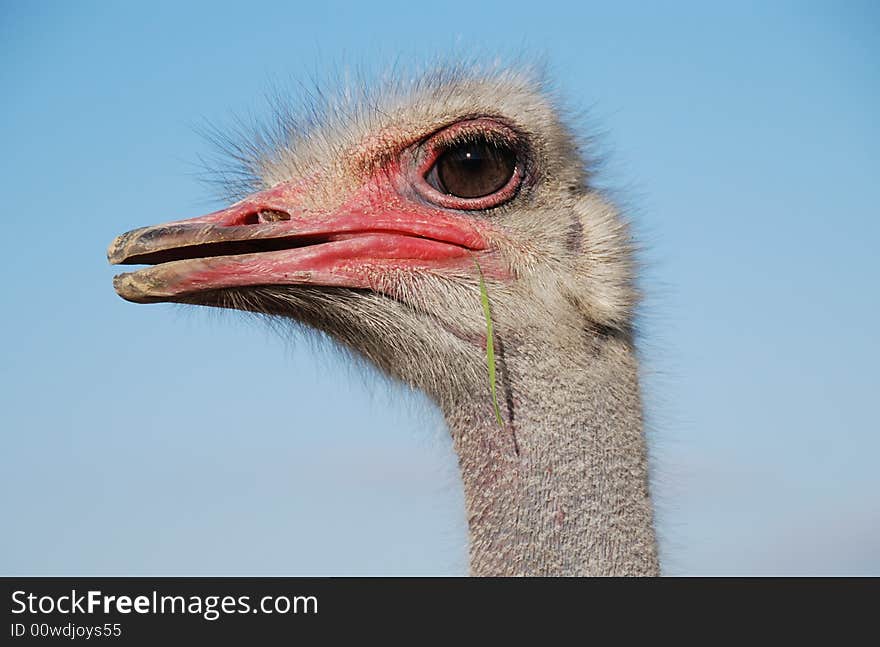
{"x":273,"y":215}
{"x":266,"y":215}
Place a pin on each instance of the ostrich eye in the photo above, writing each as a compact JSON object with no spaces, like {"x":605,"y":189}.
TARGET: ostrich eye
{"x":473,"y":169}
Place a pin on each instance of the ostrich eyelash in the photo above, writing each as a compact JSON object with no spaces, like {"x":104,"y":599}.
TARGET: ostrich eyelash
{"x":473,"y":130}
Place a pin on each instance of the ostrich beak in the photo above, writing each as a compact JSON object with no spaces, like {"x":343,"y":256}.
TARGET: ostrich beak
{"x":269,"y":238}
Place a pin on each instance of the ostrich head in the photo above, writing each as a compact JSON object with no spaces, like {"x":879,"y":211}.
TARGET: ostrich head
{"x":376,"y":225}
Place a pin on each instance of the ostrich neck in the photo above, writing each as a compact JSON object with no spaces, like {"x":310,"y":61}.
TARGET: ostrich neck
{"x":562,"y":488}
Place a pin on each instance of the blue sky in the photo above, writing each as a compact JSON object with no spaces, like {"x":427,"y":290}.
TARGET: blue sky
{"x":742,"y":139}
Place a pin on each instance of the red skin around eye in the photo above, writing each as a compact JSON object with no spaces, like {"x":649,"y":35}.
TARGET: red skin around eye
{"x":435,"y":147}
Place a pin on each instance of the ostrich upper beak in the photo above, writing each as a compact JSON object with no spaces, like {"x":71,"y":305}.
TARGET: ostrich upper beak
{"x":270,"y":239}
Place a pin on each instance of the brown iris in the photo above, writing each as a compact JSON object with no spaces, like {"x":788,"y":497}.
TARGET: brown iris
{"x":473,"y":169}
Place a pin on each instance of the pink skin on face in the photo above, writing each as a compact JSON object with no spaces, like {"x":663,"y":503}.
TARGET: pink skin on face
{"x":375,"y":207}
{"x":376,"y":233}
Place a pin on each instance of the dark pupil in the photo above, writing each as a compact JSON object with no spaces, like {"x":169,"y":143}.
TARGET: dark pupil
{"x":475,"y":169}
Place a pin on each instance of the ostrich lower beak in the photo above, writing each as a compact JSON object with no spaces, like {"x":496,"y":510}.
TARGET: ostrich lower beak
{"x":265,"y":240}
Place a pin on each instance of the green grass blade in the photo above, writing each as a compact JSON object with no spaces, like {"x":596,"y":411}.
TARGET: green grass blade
{"x":490,"y":344}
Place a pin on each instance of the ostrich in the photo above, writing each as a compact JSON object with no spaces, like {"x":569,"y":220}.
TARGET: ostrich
{"x":384,"y":223}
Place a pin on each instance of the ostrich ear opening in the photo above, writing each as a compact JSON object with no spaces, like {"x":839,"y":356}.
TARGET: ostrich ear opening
{"x":605,"y":293}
